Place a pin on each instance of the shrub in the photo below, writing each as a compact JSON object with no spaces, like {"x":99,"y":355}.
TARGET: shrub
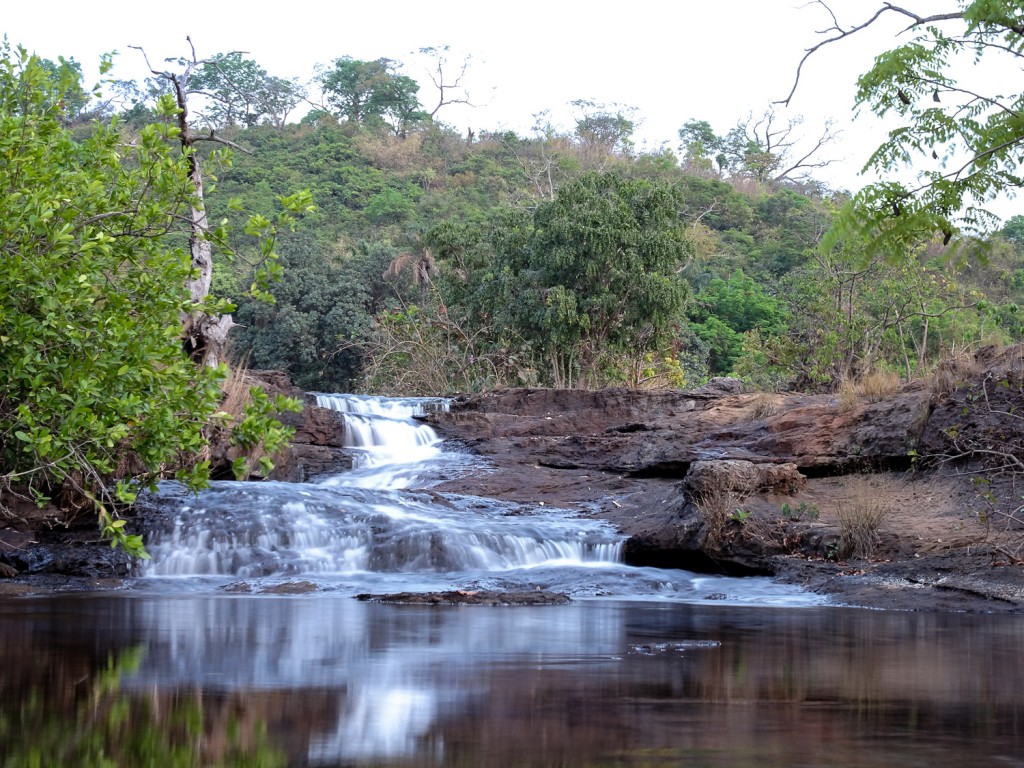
{"x":91,"y":298}
{"x":860,"y":514}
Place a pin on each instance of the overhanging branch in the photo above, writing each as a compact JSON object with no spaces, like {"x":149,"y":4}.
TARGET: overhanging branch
{"x":839,"y":33}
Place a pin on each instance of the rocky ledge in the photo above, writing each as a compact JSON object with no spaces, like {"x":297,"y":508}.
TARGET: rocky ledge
{"x":909,"y":502}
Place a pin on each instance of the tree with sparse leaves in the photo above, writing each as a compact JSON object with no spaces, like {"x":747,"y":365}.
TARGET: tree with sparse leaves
{"x":963,"y":137}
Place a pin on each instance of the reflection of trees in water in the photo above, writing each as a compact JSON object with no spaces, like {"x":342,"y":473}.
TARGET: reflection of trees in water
{"x":93,"y":724}
{"x":801,"y":688}
{"x":797,"y":687}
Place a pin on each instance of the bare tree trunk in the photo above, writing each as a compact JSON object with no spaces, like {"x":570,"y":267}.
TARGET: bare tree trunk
{"x":204,"y":335}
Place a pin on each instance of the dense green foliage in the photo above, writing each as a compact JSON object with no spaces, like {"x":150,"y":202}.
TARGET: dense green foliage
{"x":93,"y":293}
{"x":435,"y":264}
{"x":90,"y":298}
{"x":594,"y":277}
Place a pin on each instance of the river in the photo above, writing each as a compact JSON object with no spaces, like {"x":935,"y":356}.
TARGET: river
{"x":202,"y":661}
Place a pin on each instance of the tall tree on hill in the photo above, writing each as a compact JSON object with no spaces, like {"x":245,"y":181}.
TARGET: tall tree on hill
{"x":240,"y":92}
{"x":371,"y":93}
{"x":765,"y":148}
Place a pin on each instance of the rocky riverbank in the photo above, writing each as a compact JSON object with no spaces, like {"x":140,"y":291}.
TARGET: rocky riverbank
{"x":908,"y":501}
{"x":889,"y":504}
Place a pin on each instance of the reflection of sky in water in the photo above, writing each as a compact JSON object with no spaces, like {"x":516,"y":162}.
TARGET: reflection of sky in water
{"x":396,"y":669}
{"x":604,"y":682}
{"x":385,"y":723}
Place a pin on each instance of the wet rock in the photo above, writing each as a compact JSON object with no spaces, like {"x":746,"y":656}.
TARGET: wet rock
{"x":469,"y":597}
{"x":302,"y":462}
{"x":289,"y":588}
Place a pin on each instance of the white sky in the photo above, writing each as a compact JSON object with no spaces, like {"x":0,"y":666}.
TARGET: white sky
{"x":715,"y":60}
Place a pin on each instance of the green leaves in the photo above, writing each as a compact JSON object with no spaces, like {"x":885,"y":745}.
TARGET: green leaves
{"x":963,"y":144}
{"x":372,"y":93}
{"x":91,"y":296}
{"x":597,"y":275}
{"x":259,"y":435}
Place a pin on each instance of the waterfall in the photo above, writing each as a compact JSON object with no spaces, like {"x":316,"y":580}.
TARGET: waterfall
{"x":366,"y":522}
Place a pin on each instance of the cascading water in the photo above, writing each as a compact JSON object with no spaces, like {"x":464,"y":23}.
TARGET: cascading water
{"x":377,"y":528}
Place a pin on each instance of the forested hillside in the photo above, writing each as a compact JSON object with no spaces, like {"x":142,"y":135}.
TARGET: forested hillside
{"x":439,"y":262}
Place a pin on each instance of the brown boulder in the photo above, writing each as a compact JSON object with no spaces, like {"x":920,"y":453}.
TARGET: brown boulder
{"x":742,"y":477}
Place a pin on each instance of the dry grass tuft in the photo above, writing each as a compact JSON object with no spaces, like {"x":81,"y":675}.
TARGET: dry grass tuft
{"x":951,"y":372}
{"x":235,"y":392}
{"x":861,"y":513}
{"x":716,"y":509}
{"x":876,"y":386}
{"x":848,"y":396}
{"x":762,"y":405}
{"x":873,"y":387}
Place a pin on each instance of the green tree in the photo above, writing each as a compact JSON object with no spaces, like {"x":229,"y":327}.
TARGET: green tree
{"x":962,"y":141}
{"x":701,"y":146}
{"x":724,"y":310}
{"x":372,"y":93}
{"x":95,"y":286}
{"x":72,"y":97}
{"x":603,"y":131}
{"x":1013,"y":230}
{"x":91,"y":299}
{"x":325,"y":304}
{"x":595,"y":274}
{"x":240,"y":92}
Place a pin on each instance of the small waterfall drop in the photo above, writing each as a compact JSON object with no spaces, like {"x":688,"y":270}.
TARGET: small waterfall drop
{"x":383,"y":434}
{"x":366,"y":522}
{"x":379,"y":528}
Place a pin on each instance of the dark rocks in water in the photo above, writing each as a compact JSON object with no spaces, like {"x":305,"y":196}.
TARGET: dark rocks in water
{"x":69,"y":549}
{"x":469,"y":597}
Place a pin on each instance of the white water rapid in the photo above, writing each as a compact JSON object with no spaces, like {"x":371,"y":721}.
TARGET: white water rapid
{"x":378,"y":528}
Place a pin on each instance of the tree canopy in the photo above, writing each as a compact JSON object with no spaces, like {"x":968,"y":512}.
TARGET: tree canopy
{"x":95,"y":304}
{"x":961,"y":133}
{"x":371,"y":92}
{"x":91,"y":297}
{"x":594,"y":274}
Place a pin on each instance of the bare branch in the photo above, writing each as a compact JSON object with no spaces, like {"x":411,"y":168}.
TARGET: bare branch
{"x":221,"y":140}
{"x":437,"y":77}
{"x":839,"y":33}
{"x":827,"y":136}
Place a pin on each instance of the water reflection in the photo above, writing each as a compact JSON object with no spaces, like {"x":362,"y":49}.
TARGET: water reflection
{"x":330,"y":681}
